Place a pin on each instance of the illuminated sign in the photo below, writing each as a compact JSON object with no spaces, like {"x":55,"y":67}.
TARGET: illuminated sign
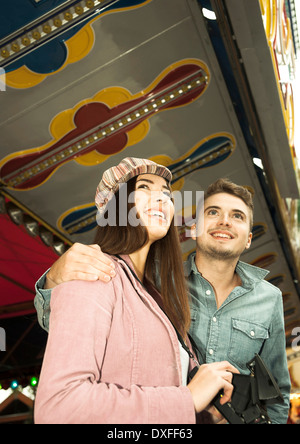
{"x":279,"y":34}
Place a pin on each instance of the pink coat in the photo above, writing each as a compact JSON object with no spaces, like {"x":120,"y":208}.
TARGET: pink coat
{"x":112,"y":357}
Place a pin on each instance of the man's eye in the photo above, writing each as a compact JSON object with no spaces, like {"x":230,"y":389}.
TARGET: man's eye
{"x":212,"y":213}
{"x":238,"y":216}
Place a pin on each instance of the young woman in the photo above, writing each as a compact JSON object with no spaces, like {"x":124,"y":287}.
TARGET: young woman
{"x":118,"y":352}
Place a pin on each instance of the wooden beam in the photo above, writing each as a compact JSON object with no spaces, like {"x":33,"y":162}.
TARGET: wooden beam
{"x":14,"y":308}
{"x":18,"y":417}
{"x":16,"y":395}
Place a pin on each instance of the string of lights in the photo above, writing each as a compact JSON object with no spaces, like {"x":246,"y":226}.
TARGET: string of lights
{"x":291,"y":8}
{"x":35,"y":227}
{"x":85,"y":142}
{"x":48,"y":27}
{"x":15,"y":384}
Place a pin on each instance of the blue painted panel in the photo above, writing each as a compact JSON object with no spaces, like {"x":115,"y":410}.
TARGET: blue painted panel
{"x":52,"y":55}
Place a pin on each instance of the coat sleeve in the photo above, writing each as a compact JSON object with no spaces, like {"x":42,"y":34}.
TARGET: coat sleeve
{"x":70,"y":388}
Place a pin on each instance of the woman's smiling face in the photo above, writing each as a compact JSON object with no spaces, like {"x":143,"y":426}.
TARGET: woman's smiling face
{"x":154,"y":205}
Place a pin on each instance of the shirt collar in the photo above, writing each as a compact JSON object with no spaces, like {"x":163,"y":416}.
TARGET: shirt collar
{"x":248,"y":273}
{"x":190,"y":266}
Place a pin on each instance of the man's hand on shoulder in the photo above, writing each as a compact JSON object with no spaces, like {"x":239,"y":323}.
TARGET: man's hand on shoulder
{"x":80,"y":262}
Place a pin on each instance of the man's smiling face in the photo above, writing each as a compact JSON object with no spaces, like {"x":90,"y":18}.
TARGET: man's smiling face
{"x":226,"y":231}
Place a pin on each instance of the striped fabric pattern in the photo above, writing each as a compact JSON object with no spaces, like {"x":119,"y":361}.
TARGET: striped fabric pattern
{"x":122,"y":173}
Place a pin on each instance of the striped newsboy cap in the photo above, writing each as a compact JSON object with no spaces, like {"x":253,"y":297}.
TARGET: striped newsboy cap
{"x":122,"y":173}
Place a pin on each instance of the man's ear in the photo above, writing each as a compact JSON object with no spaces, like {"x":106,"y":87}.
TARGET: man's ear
{"x":248,"y":245}
{"x":194,"y":232}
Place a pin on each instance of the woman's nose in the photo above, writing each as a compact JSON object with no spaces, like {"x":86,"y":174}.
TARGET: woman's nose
{"x":161,"y":197}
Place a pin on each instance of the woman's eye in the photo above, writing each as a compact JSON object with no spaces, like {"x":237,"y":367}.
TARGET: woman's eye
{"x":146,"y":187}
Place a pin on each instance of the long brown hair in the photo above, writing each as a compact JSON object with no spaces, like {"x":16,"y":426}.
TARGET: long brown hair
{"x":164,"y":260}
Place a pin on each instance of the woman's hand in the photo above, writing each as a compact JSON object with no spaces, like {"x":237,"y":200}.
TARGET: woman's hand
{"x":209,"y":381}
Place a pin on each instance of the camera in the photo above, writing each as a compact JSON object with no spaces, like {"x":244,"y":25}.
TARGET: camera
{"x":251,"y":396}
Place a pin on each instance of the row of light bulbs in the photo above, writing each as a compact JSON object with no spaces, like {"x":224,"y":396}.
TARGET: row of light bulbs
{"x":40,"y":32}
{"x":99,"y":134}
{"x":33,"y":227}
{"x":15,"y":383}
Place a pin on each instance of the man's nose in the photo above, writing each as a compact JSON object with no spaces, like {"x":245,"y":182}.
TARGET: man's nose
{"x":224,"y":219}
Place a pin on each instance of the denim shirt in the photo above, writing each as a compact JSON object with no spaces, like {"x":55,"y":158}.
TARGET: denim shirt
{"x":42,"y":302}
{"x":250,"y":321}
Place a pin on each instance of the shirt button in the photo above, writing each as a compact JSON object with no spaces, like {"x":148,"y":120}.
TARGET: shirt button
{"x":252,"y":333}
{"x":214,"y":319}
{"x":211,"y":352}
{"x":208,"y":292}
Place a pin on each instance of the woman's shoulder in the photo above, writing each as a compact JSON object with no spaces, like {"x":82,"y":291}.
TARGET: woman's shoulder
{"x":94,"y":292}
{"x":77,"y":293}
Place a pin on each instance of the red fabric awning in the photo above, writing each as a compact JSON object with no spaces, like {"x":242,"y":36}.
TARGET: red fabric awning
{"x":23,"y":259}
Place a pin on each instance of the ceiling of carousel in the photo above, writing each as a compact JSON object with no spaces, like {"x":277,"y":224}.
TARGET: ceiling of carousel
{"x":87,"y":83}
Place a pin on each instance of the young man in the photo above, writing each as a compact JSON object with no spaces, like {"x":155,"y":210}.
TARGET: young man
{"x":235,"y":312}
